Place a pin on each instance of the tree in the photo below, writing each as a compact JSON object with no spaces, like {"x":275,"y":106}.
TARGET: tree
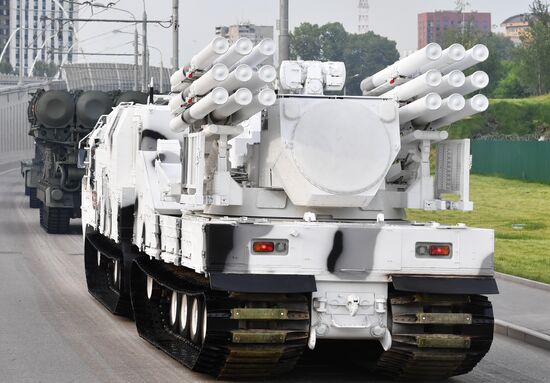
{"x":501,"y":48}
{"x":42,"y":69}
{"x":535,"y":50}
{"x":5,"y":67}
{"x":364,"y":54}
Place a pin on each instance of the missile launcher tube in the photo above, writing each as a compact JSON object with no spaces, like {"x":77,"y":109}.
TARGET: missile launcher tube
{"x":262,"y":77}
{"x":429,"y":103}
{"x":475,"y":82}
{"x":208,"y":81}
{"x":450,"y":56}
{"x":177,"y":104}
{"x":423,"y":84}
{"x":179,"y":81}
{"x":452,"y":104}
{"x":236,"y":101}
{"x":406,"y":67}
{"x":205,"y":58}
{"x":477,"y":104}
{"x":238,"y":78}
{"x":261,"y":52}
{"x":236,"y":52}
{"x":450,"y":83}
{"x":206,"y":105}
{"x":266,"y":97}
{"x":476,"y":55}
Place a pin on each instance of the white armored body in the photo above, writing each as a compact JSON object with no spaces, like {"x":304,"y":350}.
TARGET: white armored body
{"x":242,"y":226}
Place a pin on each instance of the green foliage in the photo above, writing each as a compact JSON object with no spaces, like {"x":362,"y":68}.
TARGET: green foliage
{"x":535,"y":50}
{"x":502,"y":53}
{"x":42,"y":69}
{"x":364,"y":54}
{"x":510,"y":117}
{"x":5,"y":67}
{"x":519,"y":252}
{"x":512,"y":84}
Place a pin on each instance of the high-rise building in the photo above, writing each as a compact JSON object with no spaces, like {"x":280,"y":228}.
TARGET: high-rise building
{"x":363,"y":10}
{"x":516,"y":25}
{"x":256,"y":33}
{"x":4,"y":25}
{"x":433,"y":26}
{"x":46,"y":33}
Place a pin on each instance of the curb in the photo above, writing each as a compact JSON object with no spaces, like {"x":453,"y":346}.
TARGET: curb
{"x":522,"y":334}
{"x":523,"y":281}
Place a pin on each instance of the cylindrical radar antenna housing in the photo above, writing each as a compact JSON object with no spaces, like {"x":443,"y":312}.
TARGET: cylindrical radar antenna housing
{"x":241,"y":98}
{"x":204,"y":59}
{"x":90,"y":106}
{"x":55,"y":109}
{"x":406,"y":67}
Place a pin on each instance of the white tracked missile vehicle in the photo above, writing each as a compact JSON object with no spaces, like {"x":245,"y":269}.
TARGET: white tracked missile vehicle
{"x":240,"y":226}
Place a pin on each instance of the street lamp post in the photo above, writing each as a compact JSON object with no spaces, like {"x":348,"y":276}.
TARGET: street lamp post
{"x":20,"y":42}
{"x":144,"y":62}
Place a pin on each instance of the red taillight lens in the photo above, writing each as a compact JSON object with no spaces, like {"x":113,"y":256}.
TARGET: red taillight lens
{"x":440,"y":250}
{"x":263,"y":247}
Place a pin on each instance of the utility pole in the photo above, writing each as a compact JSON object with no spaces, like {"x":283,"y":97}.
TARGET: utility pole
{"x":284,"y":39}
{"x":144,"y":62}
{"x":21,"y":42}
{"x":175,"y":35}
{"x":136,"y":59}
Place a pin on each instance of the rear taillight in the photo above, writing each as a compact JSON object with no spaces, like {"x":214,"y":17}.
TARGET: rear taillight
{"x":434,"y":250}
{"x":263,"y":247}
{"x":440,"y":250}
{"x":270,"y":246}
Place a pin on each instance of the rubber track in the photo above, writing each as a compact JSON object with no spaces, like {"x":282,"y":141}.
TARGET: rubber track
{"x":34,"y":202}
{"x":99,"y":278}
{"x":408,"y":361}
{"x":218,"y":355}
{"x":55,"y":220}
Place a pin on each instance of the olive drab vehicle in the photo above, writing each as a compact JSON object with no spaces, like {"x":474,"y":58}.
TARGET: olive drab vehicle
{"x":59,"y":120}
{"x":241,"y":225}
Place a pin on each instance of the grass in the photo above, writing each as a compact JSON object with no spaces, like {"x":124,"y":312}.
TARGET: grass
{"x":499,"y":204}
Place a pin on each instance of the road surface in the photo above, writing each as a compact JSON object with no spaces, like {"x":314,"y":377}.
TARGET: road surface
{"x":51,"y":330}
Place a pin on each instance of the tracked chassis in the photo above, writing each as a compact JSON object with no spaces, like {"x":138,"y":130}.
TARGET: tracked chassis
{"x":255,"y":336}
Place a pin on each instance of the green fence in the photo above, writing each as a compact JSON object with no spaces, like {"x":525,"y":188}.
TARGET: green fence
{"x":527,"y":160}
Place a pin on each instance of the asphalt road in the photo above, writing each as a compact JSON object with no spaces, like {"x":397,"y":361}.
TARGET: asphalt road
{"x":51,"y":330}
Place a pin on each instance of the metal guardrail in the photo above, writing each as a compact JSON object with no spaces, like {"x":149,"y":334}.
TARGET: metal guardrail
{"x":14,"y":124}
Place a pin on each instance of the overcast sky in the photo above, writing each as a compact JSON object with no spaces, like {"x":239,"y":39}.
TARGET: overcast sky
{"x":395,"y":19}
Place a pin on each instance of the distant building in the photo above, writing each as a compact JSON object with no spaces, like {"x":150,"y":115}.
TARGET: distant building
{"x":514,"y":26}
{"x":432,"y":26}
{"x":41,"y":34}
{"x":256,"y":33}
{"x":4,"y":25}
